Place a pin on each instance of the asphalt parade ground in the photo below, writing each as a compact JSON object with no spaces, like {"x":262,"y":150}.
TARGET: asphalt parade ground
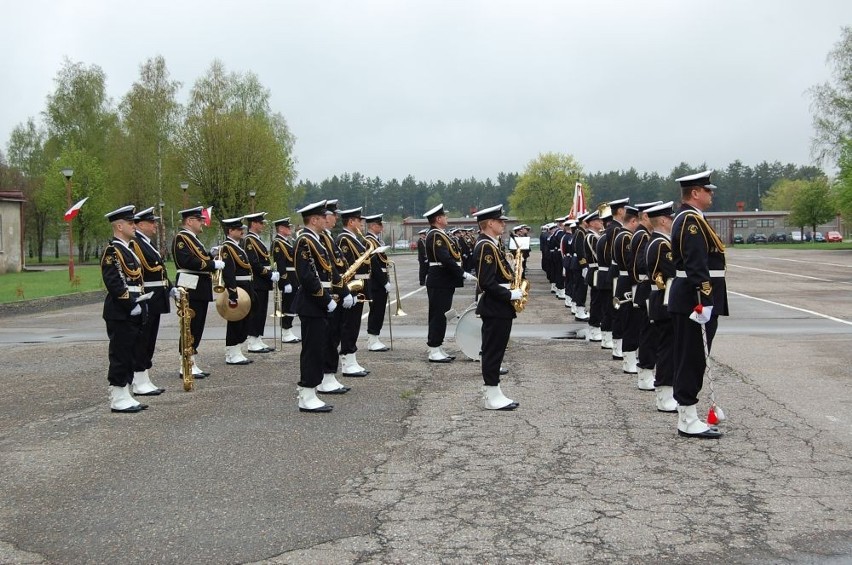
{"x":409,"y":468}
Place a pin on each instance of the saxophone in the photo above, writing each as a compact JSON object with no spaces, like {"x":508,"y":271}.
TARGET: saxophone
{"x":519,"y":282}
{"x":185,"y":315}
{"x":356,"y":286}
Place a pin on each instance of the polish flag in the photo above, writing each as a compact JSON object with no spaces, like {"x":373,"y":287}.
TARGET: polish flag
{"x":578,"y":206}
{"x":207,"y":213}
{"x":74,"y":210}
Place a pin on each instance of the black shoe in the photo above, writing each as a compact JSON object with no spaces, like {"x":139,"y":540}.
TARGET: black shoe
{"x":132,"y":409}
{"x":156,"y":392}
{"x":444,"y":360}
{"x":712,"y":433}
{"x":617,"y":358}
{"x":511,"y":406}
{"x":357,"y":374}
{"x":264,"y":350}
{"x":325,"y":408}
{"x":341,"y":390}
{"x":246,"y":362}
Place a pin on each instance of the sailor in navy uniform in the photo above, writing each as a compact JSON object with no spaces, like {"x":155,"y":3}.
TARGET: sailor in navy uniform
{"x":314,"y":305}
{"x":494,"y":274}
{"x":590,"y":274}
{"x":125,"y":308}
{"x":380,"y":285}
{"x":352,"y":246}
{"x":264,"y":277}
{"x":288,"y":284}
{"x":422,"y":259}
{"x":194,"y":268}
{"x":157,"y":282}
{"x":661,"y":272}
{"x":628,"y":334}
{"x":237,"y":273}
{"x":698,"y":297}
{"x":444,"y":276}
{"x":579,"y":267}
{"x":640,"y":329}
{"x":606,"y":258}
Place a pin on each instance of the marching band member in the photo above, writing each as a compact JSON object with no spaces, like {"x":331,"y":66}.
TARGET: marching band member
{"x":288,"y":284}
{"x":194,"y":267}
{"x":444,"y":276}
{"x":379,"y":284}
{"x":623,"y":327}
{"x":494,"y":274}
{"x":264,"y":276}
{"x":422,"y":259}
{"x":124,"y":309}
{"x":697,"y":298}
{"x":351,"y":247}
{"x":661,"y":271}
{"x":237,"y":273}
{"x":615,"y":225}
{"x":579,"y":267}
{"x":156,"y":281}
{"x":641,"y":329}
{"x":590,"y":274}
{"x":313,"y":303}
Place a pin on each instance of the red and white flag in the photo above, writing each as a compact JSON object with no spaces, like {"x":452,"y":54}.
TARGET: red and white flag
{"x":74,"y":210}
{"x":207,"y":213}
{"x":578,"y":206}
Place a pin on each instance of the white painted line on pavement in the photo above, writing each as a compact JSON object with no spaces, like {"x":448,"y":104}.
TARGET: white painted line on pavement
{"x":809,"y":262}
{"x":779,"y":273}
{"x":392,"y":302}
{"x":811,"y":312}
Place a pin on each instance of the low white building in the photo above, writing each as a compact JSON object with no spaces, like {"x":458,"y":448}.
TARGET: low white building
{"x":11,"y":231}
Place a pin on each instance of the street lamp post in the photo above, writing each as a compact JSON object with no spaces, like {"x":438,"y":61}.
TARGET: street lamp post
{"x":161,"y":229}
{"x":68,"y":173}
{"x":252,"y":194}
{"x":184,"y":186}
{"x":758,"y":192}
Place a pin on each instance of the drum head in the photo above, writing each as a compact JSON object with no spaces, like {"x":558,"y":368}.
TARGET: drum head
{"x":469,"y":333}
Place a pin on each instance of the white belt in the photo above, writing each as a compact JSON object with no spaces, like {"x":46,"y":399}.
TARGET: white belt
{"x":149,"y":284}
{"x":506,"y":285}
{"x":713,"y":274}
{"x":325,"y":284}
{"x":643,"y":278}
{"x":436,"y":264}
{"x":623,"y":273}
{"x":593,"y":265}
{"x":362,"y":277}
{"x":384,"y":270}
{"x":243,"y":277}
{"x":134,"y":288}
{"x":191,"y":272}
{"x":293,"y":269}
{"x":603,"y":269}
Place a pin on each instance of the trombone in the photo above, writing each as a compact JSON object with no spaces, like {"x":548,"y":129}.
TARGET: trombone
{"x":218,"y":280}
{"x":399,"y":310}
{"x":276,"y":310}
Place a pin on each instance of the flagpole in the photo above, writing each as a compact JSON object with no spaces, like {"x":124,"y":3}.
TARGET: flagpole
{"x":68,"y":173}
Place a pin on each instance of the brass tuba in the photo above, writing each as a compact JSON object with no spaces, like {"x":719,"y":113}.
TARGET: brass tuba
{"x":185,"y":315}
{"x":519,"y":282}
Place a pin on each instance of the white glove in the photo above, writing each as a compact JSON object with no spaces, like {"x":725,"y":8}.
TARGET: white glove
{"x":136,"y":310}
{"x":174,"y":292}
{"x":348,"y":301}
{"x":332,"y":305}
{"x":585,"y":271}
{"x":276,"y":276}
{"x":701,"y":314}
{"x":218,"y":264}
{"x":288,"y":288}
{"x":387,"y":287}
{"x":469,"y":277}
{"x":214,"y":250}
{"x":517,"y":294}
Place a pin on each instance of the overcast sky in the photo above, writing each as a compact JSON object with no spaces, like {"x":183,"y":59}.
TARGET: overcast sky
{"x":443,"y":89}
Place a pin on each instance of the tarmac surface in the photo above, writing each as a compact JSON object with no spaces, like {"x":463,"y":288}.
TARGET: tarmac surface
{"x":409,"y":468}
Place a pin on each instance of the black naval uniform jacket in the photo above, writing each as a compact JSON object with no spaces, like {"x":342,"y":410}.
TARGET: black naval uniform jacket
{"x":285,"y":264}
{"x":338,"y":265}
{"x":444,"y":257}
{"x":622,"y":262}
{"x":191,"y":257}
{"x":661,"y":271}
{"x":258,"y":258}
{"x":422,"y":261}
{"x":603,"y":251}
{"x":578,"y":249}
{"x":314,"y":271}
{"x":378,"y":265}
{"x":591,"y":255}
{"x":154,"y":274}
{"x":639,"y":269}
{"x":699,"y":259}
{"x":494,"y":275}
{"x":122,"y":275}
{"x":237,"y":271}
{"x":351,"y":248}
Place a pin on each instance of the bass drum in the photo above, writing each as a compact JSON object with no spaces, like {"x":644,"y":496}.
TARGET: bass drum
{"x":469,"y":333}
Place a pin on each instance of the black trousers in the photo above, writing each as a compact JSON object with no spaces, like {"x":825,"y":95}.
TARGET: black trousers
{"x":144,"y":346}
{"x":312,"y":357}
{"x":664,"y":373}
{"x":495,"y":338}
{"x":440,"y":301}
{"x":123,"y":335}
{"x":332,"y":340}
{"x":607,"y":310}
{"x":633,"y":321}
{"x":256,"y":319}
{"x":351,"y":328}
{"x":595,"y":307}
{"x":649,"y":335}
{"x":689,"y":360}
{"x":580,"y":290}
{"x":376,"y":319}
{"x":287,"y":308}
{"x":196,"y":325}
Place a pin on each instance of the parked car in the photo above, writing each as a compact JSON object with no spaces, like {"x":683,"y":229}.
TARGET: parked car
{"x":401,"y":244}
{"x":819,"y":238}
{"x":738,"y":238}
{"x":796,"y":237}
{"x":834,"y":237}
{"x":756,"y":238}
{"x":779,"y":237}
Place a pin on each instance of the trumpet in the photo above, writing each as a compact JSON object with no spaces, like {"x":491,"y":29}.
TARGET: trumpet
{"x":218,"y":281}
{"x":616,"y":303}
